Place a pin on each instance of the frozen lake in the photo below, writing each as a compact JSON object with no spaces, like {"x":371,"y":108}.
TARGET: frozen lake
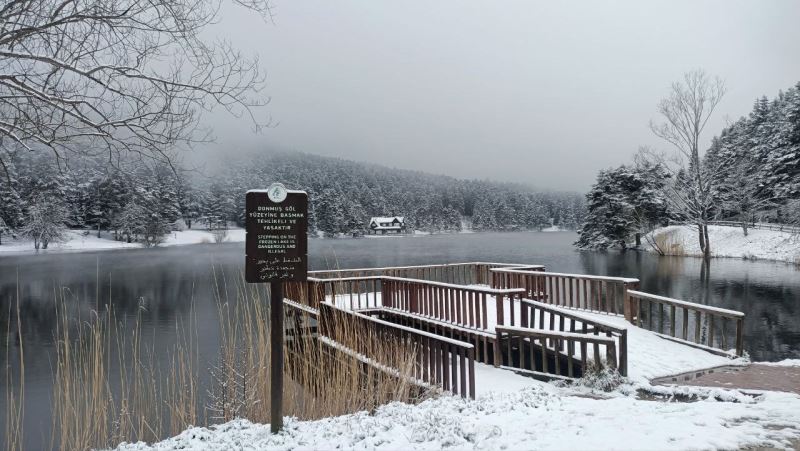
{"x":166,"y":282}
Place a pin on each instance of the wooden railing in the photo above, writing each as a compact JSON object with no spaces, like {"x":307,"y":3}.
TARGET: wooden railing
{"x":759,"y":225}
{"x":436,"y":360}
{"x":563,"y":347}
{"x":470,"y":273}
{"x":537,"y":315}
{"x":464,"y":306}
{"x":593,"y":293}
{"x":697,"y":323}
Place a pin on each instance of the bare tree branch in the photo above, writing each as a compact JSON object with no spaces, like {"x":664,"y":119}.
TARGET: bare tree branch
{"x":124,"y":77}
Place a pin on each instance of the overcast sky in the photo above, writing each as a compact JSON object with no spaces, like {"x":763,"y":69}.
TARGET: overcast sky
{"x":544,"y":93}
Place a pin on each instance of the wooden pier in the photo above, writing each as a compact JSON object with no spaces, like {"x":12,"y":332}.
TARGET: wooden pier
{"x":516,"y":317}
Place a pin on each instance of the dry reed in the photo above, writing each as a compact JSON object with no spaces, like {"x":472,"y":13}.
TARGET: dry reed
{"x":112,"y":384}
{"x":15,"y":400}
{"x":667,"y":243}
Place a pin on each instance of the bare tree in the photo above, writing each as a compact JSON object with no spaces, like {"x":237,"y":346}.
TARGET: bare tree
{"x":46,"y":222}
{"x":686,"y":111}
{"x":117,"y":77}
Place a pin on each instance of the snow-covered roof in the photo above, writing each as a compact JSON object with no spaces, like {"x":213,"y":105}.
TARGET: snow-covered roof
{"x":380,"y":219}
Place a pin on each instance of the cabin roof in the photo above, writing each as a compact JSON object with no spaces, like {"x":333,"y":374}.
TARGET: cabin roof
{"x":380,"y":219}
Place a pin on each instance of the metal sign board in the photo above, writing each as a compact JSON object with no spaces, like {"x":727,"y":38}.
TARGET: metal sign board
{"x":276,"y":245}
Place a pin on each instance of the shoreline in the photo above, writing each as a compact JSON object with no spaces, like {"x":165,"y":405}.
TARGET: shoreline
{"x":78,"y":241}
{"x":726,"y":242}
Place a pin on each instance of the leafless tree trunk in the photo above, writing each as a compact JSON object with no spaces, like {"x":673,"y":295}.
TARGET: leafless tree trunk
{"x":686,"y":111}
{"x":117,"y":77}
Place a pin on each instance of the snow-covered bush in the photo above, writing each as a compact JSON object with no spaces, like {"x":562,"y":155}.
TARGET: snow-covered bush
{"x":219,"y":234}
{"x":600,"y":377}
{"x":46,"y":222}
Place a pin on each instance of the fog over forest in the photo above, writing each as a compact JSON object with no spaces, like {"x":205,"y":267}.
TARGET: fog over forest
{"x":541,"y":93}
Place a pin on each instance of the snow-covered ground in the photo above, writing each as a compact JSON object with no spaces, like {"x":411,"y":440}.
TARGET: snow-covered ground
{"x":77,"y":240}
{"x":539,"y":416}
{"x":787,"y":362}
{"x":516,"y":412}
{"x":729,"y":242}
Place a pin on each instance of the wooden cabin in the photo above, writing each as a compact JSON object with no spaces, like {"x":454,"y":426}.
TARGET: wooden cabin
{"x":386,"y":224}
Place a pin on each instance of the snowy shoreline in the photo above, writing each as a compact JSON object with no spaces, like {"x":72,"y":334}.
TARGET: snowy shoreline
{"x":727,"y":242}
{"x":79,"y":241}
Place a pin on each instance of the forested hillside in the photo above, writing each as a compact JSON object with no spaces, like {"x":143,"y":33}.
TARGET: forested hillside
{"x":345,"y":194}
{"x":750,"y":173}
{"x":140,"y":201}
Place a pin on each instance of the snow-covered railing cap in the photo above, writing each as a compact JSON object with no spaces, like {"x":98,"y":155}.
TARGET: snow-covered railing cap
{"x":266,"y":191}
{"x":559,"y":274}
{"x":475,"y":288}
{"x":556,"y":334}
{"x":438,"y":265}
{"x":688,"y":305}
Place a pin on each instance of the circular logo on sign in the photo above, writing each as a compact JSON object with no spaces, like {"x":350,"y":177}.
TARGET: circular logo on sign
{"x":276,"y":192}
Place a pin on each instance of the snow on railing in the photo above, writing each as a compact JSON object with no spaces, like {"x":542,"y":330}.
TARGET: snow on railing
{"x":650,"y":312}
{"x":431,"y":358}
{"x":460,"y":273}
{"x":594,"y":293}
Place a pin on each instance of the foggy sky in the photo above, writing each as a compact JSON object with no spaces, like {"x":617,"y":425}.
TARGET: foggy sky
{"x":543,"y":93}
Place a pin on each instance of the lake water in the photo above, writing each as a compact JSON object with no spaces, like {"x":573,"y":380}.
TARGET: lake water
{"x":164,"y":284}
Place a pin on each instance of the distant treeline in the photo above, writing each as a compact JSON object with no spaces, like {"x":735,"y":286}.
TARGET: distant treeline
{"x":140,"y":201}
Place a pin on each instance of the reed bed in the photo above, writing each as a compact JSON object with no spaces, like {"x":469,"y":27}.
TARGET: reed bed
{"x":15,"y":398}
{"x":114,"y":383}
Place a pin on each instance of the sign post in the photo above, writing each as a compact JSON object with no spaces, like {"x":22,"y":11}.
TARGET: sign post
{"x":276,"y":249}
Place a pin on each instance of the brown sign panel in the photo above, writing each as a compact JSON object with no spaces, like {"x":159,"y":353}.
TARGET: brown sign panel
{"x":276,"y":246}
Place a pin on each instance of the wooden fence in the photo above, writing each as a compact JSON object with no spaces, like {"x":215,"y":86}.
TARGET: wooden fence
{"x":436,"y":360}
{"x":562,"y":347}
{"x":593,"y":293}
{"x":759,"y":225}
{"x":545,"y":317}
{"x":470,"y":273}
{"x":465,"y":306}
{"x":697,"y":323}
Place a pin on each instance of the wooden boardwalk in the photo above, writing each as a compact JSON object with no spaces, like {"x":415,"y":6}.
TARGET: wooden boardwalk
{"x":518,"y":317}
{"x":754,"y":377}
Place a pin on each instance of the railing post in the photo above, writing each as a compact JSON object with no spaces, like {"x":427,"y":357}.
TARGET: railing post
{"x":740,"y":337}
{"x":498,"y":300}
{"x":414,"y":302}
{"x":471,"y":370}
{"x":386,"y":297}
{"x":626,"y":303}
{"x":630,"y":305}
{"x":498,"y":358}
{"x":623,"y":353}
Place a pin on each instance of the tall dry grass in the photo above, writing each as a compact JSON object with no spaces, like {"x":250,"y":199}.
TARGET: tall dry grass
{"x":322,"y":377}
{"x":15,"y":399}
{"x":113,"y":384}
{"x":666,"y":243}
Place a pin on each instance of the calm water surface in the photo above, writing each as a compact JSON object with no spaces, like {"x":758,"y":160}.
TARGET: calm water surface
{"x":162,"y":285}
